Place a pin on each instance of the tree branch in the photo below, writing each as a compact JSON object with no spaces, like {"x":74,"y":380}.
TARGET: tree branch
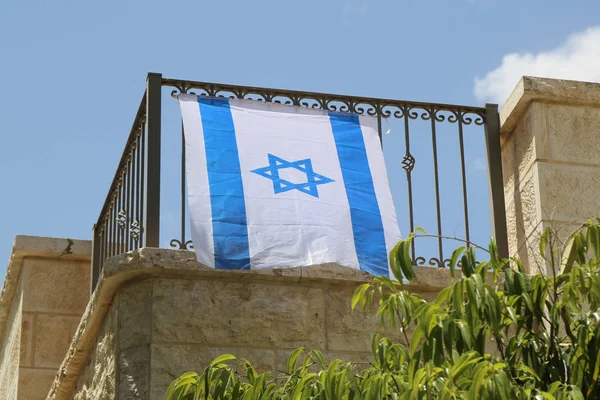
{"x":453,"y":238}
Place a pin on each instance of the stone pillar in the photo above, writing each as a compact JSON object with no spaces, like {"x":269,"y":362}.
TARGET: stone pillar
{"x":45,"y":292}
{"x":551,"y":160}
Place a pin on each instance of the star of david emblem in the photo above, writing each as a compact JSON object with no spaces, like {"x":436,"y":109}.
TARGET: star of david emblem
{"x":281,"y":185}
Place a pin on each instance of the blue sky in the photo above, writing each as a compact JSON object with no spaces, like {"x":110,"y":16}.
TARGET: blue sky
{"x":74,"y":72}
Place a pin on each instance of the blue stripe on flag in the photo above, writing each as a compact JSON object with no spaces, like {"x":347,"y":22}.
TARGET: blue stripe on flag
{"x":230,"y":230}
{"x":367,"y":225}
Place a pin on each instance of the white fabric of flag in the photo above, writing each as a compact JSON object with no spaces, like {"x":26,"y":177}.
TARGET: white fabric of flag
{"x":277,"y":186}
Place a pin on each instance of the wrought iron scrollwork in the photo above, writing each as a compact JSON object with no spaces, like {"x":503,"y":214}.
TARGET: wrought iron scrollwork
{"x":135,"y":230}
{"x":433,"y":262}
{"x":335,"y":103}
{"x":122,"y":219}
{"x":178,"y":245}
{"x":408,"y":111}
{"x":408,"y":162}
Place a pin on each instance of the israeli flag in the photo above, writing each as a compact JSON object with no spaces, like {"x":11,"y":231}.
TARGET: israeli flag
{"x":276,"y":186}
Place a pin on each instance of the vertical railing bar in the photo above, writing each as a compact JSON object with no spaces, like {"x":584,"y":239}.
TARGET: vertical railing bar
{"x":183,"y":246}
{"x":103,"y":246}
{"x":119,"y":208}
{"x":142,"y":185}
{"x":153,"y":122}
{"x":108,"y":234}
{"x":138,"y":144}
{"x":433,"y":114}
{"x":409,"y":181}
{"x":132,"y":199}
{"x":127,"y":203}
{"x":496,"y":180}
{"x":96,"y":252}
{"x":379,"y":128}
{"x":113,"y":223}
{"x":464,"y":175}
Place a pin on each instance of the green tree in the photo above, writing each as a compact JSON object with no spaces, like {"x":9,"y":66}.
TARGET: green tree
{"x":494,"y":333}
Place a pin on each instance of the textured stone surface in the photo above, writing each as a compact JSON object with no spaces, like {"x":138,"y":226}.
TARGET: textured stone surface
{"x":98,"y":378}
{"x":568,"y":192}
{"x":522,"y":211}
{"x":27,"y":340}
{"x":169,"y":361}
{"x":39,"y":248}
{"x":518,"y":152}
{"x":551,"y":160}
{"x":135,"y":314}
{"x":10,"y":352}
{"x":53,"y":335}
{"x":574,"y":132}
{"x":199,"y":313}
{"x":221,"y":312}
{"x":547,"y":90}
{"x":34,"y":383}
{"x":55,"y":286}
{"x":529,"y":253}
{"x":349,"y":330}
{"x":134,"y":364}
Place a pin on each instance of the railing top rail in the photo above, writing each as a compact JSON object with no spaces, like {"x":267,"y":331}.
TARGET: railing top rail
{"x":122,"y":162}
{"x":296,"y":98}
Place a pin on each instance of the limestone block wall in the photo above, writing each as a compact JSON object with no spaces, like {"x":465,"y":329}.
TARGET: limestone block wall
{"x":158,"y":313}
{"x":551,"y":161}
{"x":10,"y":354}
{"x":46,"y":290}
{"x":99,"y":377}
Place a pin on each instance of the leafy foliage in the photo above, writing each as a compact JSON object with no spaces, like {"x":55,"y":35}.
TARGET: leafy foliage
{"x":494,"y":333}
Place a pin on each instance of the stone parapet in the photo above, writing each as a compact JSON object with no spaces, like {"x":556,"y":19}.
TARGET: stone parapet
{"x":157,"y":313}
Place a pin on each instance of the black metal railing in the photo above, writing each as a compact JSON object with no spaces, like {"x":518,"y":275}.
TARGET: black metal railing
{"x":130,"y":216}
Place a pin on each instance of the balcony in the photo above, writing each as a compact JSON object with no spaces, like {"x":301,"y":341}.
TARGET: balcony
{"x":430,"y":152}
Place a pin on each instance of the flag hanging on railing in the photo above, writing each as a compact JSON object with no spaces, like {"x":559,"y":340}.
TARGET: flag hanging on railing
{"x":276,"y":186}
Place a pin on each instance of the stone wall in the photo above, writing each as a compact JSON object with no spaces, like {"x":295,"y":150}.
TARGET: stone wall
{"x":11,"y":350}
{"x":46,"y":290}
{"x":551,"y":161}
{"x":158,"y":313}
{"x":99,"y":377}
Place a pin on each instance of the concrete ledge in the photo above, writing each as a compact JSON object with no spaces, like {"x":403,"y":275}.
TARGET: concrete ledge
{"x":149,"y":262}
{"x":548,"y":90}
{"x":41,"y":247}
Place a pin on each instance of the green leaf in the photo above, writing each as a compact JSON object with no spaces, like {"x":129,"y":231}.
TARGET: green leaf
{"x":319,"y":356}
{"x":464,"y":332}
{"x":359,"y":294}
{"x":454,"y":258}
{"x":181,"y":385}
{"x":222,"y":358}
{"x":569,"y":256}
{"x":293,"y":359}
{"x":544,"y":240}
{"x":395,"y":262}
{"x":417,"y":335}
{"x":595,"y":375}
{"x":400,"y":261}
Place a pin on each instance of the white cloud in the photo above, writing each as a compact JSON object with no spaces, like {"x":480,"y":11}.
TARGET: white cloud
{"x":352,"y":9}
{"x":577,"y":58}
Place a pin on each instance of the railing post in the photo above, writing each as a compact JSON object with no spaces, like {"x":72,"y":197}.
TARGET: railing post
{"x":96,"y":258}
{"x":496,"y":181}
{"x":153,"y":121}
